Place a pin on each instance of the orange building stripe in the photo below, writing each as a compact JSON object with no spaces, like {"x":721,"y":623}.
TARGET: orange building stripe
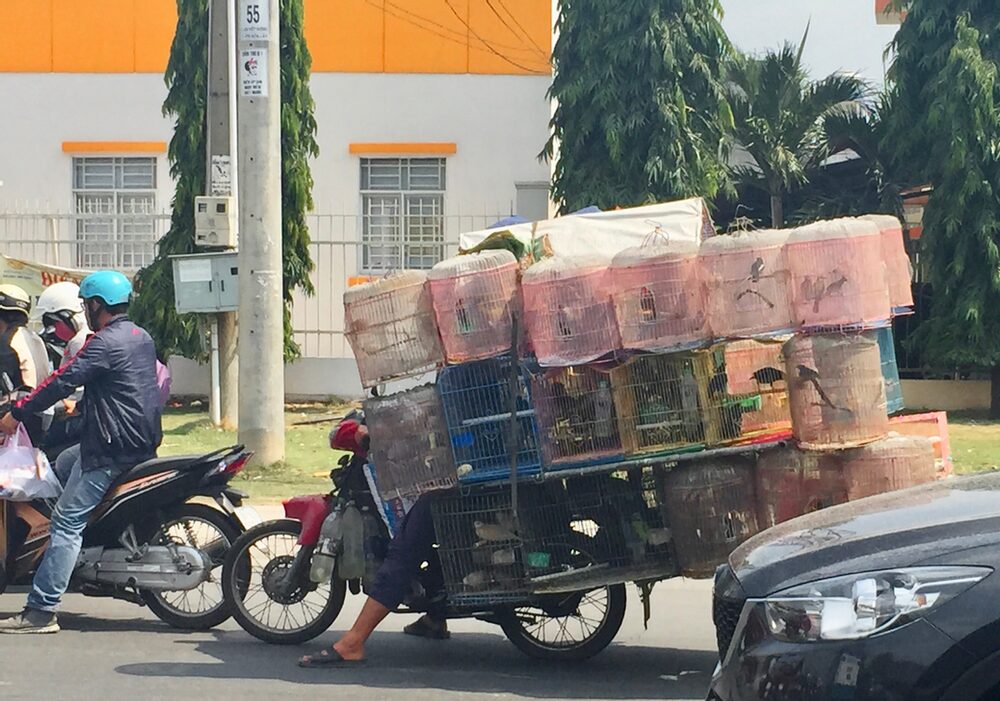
{"x":114,"y":146}
{"x":397,"y":149}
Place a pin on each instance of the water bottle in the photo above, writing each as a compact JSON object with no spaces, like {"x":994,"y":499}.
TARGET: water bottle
{"x":352,"y":560}
{"x":324,"y":559}
{"x":373,"y":545}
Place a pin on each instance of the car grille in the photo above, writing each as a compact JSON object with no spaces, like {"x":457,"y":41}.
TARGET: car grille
{"x":725,"y":615}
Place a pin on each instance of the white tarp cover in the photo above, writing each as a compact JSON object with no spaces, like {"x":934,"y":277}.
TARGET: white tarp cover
{"x":609,"y":233}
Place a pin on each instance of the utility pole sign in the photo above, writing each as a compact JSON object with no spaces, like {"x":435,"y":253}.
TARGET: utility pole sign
{"x":253,"y":73}
{"x":255,"y":20}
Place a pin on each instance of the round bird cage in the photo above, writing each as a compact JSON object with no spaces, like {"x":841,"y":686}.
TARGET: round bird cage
{"x":748,"y":284}
{"x":660,"y":303}
{"x":473,"y":298}
{"x":568,"y":311}
{"x":838,"y":277}
{"x":390,"y":325}
{"x":791,"y":483}
{"x":898,"y":270}
{"x":897,"y":462}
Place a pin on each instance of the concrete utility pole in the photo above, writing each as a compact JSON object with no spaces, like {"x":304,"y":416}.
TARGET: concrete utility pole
{"x":223,"y":180}
{"x":261,"y":333}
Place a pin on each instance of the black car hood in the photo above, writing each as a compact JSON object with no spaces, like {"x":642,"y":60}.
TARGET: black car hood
{"x":899,"y":529}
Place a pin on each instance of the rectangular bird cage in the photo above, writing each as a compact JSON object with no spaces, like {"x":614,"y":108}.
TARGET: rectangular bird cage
{"x":756,"y":369}
{"x":568,"y":534}
{"x":476,"y":400}
{"x":410,"y":448}
{"x":890,"y":371}
{"x":577,"y":422}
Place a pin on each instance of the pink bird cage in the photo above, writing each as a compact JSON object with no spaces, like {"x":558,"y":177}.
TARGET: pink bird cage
{"x":838,"y":277}
{"x":473,"y":299}
{"x":568,"y":311}
{"x":747,"y":279}
{"x":390,"y":325}
{"x":791,"y":483}
{"x":835,"y":390}
{"x":659,"y":300}
{"x":897,"y":462}
{"x":756,"y":368}
{"x":897,"y":263}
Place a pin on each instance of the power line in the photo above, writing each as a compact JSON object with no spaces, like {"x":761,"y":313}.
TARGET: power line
{"x":488,"y":46}
{"x":545,"y":52}
{"x":513,"y":31}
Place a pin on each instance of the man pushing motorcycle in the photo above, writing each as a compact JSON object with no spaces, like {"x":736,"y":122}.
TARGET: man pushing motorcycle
{"x":121,"y":415}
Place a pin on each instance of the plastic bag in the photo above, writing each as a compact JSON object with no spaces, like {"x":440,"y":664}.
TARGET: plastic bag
{"x":25,"y":473}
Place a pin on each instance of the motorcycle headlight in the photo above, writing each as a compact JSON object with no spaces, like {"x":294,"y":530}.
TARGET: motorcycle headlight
{"x":857,"y":606}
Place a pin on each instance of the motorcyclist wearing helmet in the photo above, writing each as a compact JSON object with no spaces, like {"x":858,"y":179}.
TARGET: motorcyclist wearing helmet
{"x":59,"y":310}
{"x":23,"y":357}
{"x":121,"y":414}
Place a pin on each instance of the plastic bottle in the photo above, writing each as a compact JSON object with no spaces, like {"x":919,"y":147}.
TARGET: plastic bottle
{"x":352,"y":561}
{"x":324,"y":559}
{"x":373,"y":545}
{"x":604,"y":407}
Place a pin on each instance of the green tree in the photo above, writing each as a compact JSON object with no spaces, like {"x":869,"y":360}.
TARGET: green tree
{"x":640,"y":111}
{"x":186,"y":78}
{"x":779,"y":114}
{"x":944,"y":81}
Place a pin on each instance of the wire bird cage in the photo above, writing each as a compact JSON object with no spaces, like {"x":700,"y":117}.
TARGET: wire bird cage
{"x":660,"y":302}
{"x":710,"y":511}
{"x":410,"y":449}
{"x":897,"y":462}
{"x":568,"y":311}
{"x":390,"y":325}
{"x":756,"y":369}
{"x":474,"y":297}
{"x":890,"y":370}
{"x":476,"y":400}
{"x":838,"y":277}
{"x":791,"y":483}
{"x":897,"y":263}
{"x":835,"y":390}
{"x":573,"y":533}
{"x":748,"y":284}
{"x":577,"y":421}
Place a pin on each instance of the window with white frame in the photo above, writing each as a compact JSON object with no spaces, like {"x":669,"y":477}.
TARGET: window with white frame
{"x":402,"y":205}
{"x":115,"y":207}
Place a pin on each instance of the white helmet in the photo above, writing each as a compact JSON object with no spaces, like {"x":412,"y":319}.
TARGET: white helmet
{"x":59,"y":297}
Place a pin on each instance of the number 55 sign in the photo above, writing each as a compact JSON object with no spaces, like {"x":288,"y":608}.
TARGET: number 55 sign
{"x":255,"y":24}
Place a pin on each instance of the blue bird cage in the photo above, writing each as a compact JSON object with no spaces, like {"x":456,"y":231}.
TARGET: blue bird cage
{"x":890,"y":371}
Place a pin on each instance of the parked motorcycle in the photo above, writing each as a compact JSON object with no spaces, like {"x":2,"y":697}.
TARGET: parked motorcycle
{"x":286,"y":581}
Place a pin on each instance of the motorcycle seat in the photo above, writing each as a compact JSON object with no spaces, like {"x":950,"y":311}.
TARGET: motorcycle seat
{"x":157,"y":466}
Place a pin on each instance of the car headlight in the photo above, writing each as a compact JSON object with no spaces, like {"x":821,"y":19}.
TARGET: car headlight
{"x":857,"y":606}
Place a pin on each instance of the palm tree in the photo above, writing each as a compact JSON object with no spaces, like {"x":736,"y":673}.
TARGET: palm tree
{"x":779,"y":114}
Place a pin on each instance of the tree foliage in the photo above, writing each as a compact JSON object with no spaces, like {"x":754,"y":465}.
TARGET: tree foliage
{"x":779,"y":114}
{"x":187,"y":80}
{"x":640,"y":111}
{"x":945,"y":81}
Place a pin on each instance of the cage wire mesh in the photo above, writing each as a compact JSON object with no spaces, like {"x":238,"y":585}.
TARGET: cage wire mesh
{"x":568,"y":311}
{"x":474,"y":297}
{"x":390,"y":325}
{"x":410,"y":448}
{"x":838,"y":274}
{"x":890,"y":370}
{"x":476,"y":401}
{"x":791,"y":482}
{"x":835,"y":390}
{"x":577,"y":421}
{"x":756,"y":369}
{"x":710,"y":510}
{"x":897,"y":462}
{"x":897,"y":264}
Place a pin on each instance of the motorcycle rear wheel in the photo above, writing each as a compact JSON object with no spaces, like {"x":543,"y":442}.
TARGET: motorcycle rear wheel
{"x":251,"y":581}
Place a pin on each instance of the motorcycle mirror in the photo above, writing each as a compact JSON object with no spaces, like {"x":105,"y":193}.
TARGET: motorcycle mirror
{"x":8,"y":386}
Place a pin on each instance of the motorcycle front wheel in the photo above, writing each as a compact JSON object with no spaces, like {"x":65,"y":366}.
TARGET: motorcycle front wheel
{"x":259,"y":595}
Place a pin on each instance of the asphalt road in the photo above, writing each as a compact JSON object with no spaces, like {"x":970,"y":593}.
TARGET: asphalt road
{"x":114,"y":650}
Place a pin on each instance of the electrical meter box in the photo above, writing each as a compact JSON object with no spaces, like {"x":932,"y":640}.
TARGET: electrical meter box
{"x":206,"y":283}
{"x":214,"y":222}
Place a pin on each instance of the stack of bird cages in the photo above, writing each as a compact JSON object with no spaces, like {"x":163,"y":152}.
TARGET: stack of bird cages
{"x":568,"y":311}
{"x":897,"y":263}
{"x":897,"y":462}
{"x":791,"y":483}
{"x":835,"y":390}
{"x":476,"y":398}
{"x":756,"y":369}
{"x":390,"y":326}
{"x":410,"y":448}
{"x":474,"y":298}
{"x":658,"y":400}
{"x":748,"y":284}
{"x":659,"y":300}
{"x":890,"y":370}
{"x":838,"y":277}
{"x":577,"y":421}
{"x":710,"y":511}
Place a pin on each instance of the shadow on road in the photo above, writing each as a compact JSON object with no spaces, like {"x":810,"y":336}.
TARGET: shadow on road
{"x":479,"y":663}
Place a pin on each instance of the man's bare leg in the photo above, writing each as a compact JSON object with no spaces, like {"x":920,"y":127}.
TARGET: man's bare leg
{"x":351,"y":645}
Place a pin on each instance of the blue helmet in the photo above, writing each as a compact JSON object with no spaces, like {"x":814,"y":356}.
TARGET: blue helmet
{"x":109,"y":286}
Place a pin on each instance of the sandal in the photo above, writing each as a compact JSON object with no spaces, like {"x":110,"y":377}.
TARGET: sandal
{"x":420,"y":628}
{"x":328,"y":658}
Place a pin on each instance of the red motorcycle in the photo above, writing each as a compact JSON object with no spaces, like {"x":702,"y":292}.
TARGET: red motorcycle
{"x":285,"y":581}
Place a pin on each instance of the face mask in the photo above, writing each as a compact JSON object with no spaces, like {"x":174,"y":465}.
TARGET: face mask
{"x":63,"y":331}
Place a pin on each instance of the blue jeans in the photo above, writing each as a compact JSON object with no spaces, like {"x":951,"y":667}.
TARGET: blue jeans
{"x":64,"y":464}
{"x":83,"y":492}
